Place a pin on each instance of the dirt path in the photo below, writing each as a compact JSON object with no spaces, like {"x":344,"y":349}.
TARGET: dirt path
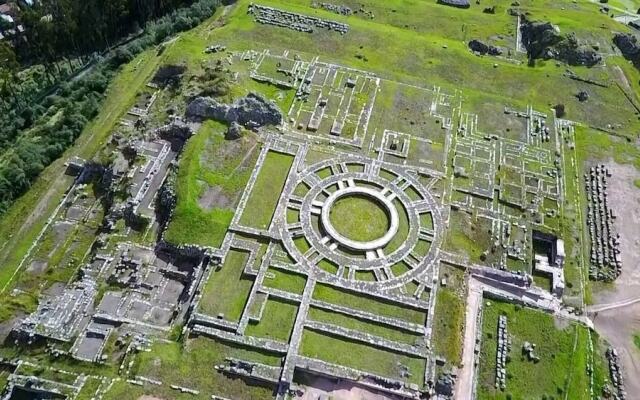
{"x":464,"y":384}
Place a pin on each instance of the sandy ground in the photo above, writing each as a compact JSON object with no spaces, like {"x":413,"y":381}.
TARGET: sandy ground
{"x":342,"y":390}
{"x":619,"y":315}
{"x":464,"y":384}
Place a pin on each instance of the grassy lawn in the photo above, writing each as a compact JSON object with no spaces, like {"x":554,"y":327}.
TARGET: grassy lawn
{"x":192,"y":366}
{"x":361,"y":356}
{"x":266,"y":191}
{"x":209,"y":161}
{"x":277,"y":321}
{"x":561,"y":346}
{"x":448,"y":324}
{"x":286,"y":280}
{"x":354,"y":323}
{"x":359,"y":218}
{"x":227,"y":290}
{"x":366,"y":303}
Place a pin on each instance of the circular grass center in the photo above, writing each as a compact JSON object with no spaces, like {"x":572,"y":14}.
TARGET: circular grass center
{"x":359,"y":218}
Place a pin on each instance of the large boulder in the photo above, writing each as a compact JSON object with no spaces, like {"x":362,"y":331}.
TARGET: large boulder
{"x":207,"y":108}
{"x":629,"y":46}
{"x":255,"y":109}
{"x":539,"y":37}
{"x":234,"y":131}
{"x":252,"y":111}
{"x":482,"y":48}
{"x":572,"y":52}
{"x":176,"y":133}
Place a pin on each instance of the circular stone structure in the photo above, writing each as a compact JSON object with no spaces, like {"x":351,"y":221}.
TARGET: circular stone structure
{"x":338,"y":250}
{"x":377,"y":198}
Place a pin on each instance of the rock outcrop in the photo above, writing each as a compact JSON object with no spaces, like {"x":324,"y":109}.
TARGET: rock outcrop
{"x":176,"y":133}
{"x":252,"y":111}
{"x":629,"y":46}
{"x":544,"y":41}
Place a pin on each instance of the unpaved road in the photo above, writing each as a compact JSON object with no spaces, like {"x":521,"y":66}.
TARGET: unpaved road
{"x":464,"y":383}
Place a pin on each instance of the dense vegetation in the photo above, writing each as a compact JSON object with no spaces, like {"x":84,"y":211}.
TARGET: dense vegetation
{"x":36,"y":128}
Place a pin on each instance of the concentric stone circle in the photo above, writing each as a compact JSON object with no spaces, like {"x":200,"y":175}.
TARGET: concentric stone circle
{"x":387,"y":184}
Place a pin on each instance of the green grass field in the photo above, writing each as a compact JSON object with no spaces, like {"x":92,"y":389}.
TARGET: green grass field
{"x":276,"y":323}
{"x":359,"y":218}
{"x":561,"y":346}
{"x":448,"y":325}
{"x":266,"y":191}
{"x":361,"y":356}
{"x":366,"y":303}
{"x":286,"y":280}
{"x":192,"y":366}
{"x":364,"y":326}
{"x":227,"y":290}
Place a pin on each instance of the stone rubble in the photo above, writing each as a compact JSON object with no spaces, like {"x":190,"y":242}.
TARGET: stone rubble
{"x":605,"y":260}
{"x":615,"y":372}
{"x":294,"y":21}
{"x":504,"y":347}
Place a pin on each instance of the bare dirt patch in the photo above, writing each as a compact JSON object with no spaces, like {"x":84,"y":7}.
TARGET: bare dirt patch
{"x":214,"y":197}
{"x":339,"y":390}
{"x":37,"y":266}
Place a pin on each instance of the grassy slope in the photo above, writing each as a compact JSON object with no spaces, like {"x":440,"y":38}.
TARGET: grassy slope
{"x":190,"y":223}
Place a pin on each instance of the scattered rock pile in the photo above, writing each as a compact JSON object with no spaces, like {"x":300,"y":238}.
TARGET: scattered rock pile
{"x":582,"y":96}
{"x":176,"y":133}
{"x":605,"y":262}
{"x":528,"y":349}
{"x":615,"y":372}
{"x":338,"y":9}
{"x":482,"y":48}
{"x":445,"y":385}
{"x":504,"y":346}
{"x":297,"y":22}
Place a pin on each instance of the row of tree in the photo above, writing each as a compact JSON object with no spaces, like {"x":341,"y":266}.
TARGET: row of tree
{"x":33,"y":136}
